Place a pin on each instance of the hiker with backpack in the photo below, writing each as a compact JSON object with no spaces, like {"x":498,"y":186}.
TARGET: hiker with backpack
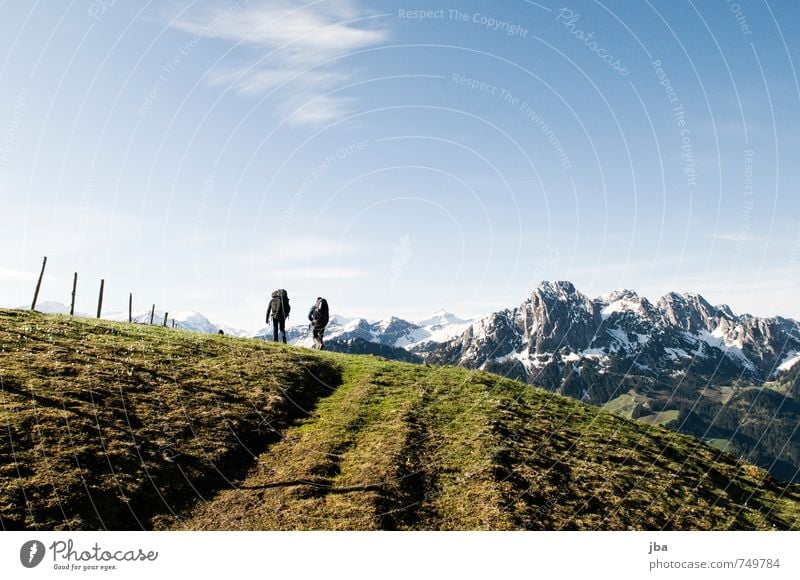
{"x":279,"y":311}
{"x":318,"y":315}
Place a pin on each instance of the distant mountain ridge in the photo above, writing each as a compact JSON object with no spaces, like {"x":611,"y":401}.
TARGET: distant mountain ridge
{"x":393,"y":332}
{"x":559,"y":329}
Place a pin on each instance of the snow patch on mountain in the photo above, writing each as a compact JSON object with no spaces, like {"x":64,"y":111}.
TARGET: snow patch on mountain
{"x":731,"y":348}
{"x":676,"y":353}
{"x":440,"y":318}
{"x":621,"y":301}
{"x":621,"y":337}
{"x":789,"y":361}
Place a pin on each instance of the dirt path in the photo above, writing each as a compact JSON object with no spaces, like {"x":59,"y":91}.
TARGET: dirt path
{"x":365,"y":460}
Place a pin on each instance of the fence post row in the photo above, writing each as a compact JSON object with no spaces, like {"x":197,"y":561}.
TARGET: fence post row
{"x":99,"y":298}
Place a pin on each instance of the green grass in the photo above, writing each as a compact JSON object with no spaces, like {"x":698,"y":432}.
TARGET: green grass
{"x":721,"y":444}
{"x":779,"y":387}
{"x":110,"y":425}
{"x":661,"y":418}
{"x":625,"y":404}
{"x":622,"y":405}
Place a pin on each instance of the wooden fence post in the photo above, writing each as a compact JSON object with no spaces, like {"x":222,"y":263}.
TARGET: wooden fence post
{"x":38,"y":285}
{"x":100,"y":298}
{"x":130,"y":307}
{"x":165,"y":318}
{"x":74,"y":289}
{"x":152,"y":314}
{"x":173,"y":323}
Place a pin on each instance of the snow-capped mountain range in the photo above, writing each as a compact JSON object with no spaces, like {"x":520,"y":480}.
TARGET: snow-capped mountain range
{"x":416,"y":337}
{"x":559,"y":331}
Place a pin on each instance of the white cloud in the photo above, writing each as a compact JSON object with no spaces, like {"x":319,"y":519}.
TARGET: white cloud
{"x":316,"y":109}
{"x":301,"y":44}
{"x":321,"y":26}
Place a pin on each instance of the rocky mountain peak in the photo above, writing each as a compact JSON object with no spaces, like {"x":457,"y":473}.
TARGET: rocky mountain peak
{"x":440,"y":318}
{"x":556,"y":289}
{"x":557,"y":315}
{"x":690,"y":312}
{"x":621,"y":294}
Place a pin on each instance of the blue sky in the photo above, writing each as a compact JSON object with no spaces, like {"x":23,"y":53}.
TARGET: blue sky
{"x":398,"y":157}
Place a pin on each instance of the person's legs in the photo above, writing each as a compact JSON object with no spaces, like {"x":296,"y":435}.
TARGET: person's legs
{"x":275,"y":329}
{"x":321,"y":343}
{"x":283,"y":330}
{"x":317,"y":338}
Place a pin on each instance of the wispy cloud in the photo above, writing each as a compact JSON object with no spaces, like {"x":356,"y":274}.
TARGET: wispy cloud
{"x":733,"y":237}
{"x":301,"y":43}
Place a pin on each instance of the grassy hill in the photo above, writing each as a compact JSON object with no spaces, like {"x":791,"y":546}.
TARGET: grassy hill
{"x":109,"y":425}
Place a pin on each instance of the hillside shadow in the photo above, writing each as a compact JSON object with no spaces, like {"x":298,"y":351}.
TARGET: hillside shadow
{"x":172,"y":477}
{"x":182,"y":492}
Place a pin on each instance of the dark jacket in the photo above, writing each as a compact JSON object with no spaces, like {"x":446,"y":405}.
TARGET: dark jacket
{"x":278,"y":307}
{"x":318,"y":315}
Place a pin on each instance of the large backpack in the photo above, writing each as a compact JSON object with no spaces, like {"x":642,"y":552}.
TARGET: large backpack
{"x":321,"y":314}
{"x":280,"y":304}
